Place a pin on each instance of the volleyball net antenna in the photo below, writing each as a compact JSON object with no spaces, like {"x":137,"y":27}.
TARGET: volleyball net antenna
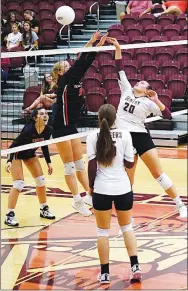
{"x":163,"y":64}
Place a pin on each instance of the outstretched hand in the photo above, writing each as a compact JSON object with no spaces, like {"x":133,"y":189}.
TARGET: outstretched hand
{"x":113,"y":41}
{"x":103,"y":39}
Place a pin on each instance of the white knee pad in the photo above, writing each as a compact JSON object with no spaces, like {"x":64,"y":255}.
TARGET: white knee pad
{"x":40,"y":181}
{"x":80,"y":165}
{"x":102,"y":232}
{"x":127,"y":227}
{"x":18,"y":185}
{"x":69,"y":168}
{"x":164,"y":181}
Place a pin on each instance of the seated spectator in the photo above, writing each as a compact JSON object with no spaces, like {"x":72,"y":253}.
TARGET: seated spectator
{"x":14,"y":38}
{"x":10,"y":21}
{"x":175,"y":7}
{"x":28,"y":16}
{"x":47,"y":96}
{"x":29,"y":37}
{"x":138,"y":7}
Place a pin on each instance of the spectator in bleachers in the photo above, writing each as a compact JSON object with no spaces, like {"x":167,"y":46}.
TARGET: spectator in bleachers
{"x":47,"y":96}
{"x":175,"y":7}
{"x":14,"y":38}
{"x":138,"y":8}
{"x":10,"y":21}
{"x":28,"y":16}
{"x":29,"y":37}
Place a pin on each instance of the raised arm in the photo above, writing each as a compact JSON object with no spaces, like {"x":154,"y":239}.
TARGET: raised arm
{"x":82,"y":64}
{"x":124,"y":84}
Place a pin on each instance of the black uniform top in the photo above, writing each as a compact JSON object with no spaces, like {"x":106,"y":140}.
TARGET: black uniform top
{"x":29,"y":135}
{"x":68,"y":105}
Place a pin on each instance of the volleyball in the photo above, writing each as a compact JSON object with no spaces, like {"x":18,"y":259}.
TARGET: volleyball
{"x":65,"y":15}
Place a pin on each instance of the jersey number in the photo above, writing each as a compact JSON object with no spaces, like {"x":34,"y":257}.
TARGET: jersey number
{"x":129,"y":108}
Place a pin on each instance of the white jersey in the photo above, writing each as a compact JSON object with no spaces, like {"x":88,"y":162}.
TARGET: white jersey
{"x":112,"y":180}
{"x":132,"y":112}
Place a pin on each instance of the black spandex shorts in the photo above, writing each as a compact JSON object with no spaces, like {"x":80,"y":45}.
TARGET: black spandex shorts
{"x":142,"y":142}
{"x":66,"y":130}
{"x":122,"y":202}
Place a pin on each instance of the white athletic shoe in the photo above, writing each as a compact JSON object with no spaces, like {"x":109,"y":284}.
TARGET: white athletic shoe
{"x":182,"y":210}
{"x":120,"y":232}
{"x":136,"y":274}
{"x":10,"y":219}
{"x":81,"y":208}
{"x":157,"y":14}
{"x":88,"y":200}
{"x":103,"y":278}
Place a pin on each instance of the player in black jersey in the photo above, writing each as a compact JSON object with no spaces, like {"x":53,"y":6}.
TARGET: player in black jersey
{"x":66,"y":113}
{"x":34,"y":131}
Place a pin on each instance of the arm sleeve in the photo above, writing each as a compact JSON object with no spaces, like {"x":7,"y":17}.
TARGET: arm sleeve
{"x":92,"y":171}
{"x":166,"y":113}
{"x":20,"y":140}
{"x":80,"y":67}
{"x":128,"y":149}
{"x":46,"y":154}
{"x":124,"y":83}
{"x":45,"y":149}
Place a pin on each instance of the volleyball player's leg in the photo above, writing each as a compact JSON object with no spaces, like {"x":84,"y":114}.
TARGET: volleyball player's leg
{"x":103,"y":218}
{"x":172,"y":10}
{"x":151,"y":160}
{"x":66,"y":154}
{"x":80,"y":168}
{"x":35,"y":169}
{"x":131,"y":172}
{"x":18,"y":184}
{"x":123,"y":205}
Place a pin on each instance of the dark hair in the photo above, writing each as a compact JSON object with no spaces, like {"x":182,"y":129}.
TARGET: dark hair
{"x":105,"y":149}
{"x":30,"y":34}
{"x":34,"y":114}
{"x":45,"y":86}
{"x":149,"y":87}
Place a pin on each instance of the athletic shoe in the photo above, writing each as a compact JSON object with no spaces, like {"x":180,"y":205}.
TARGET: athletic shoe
{"x":81,"y":208}
{"x":157,"y":14}
{"x":120,"y":232}
{"x":10,"y":219}
{"x":45,"y":213}
{"x":88,"y":200}
{"x":104,"y":278}
{"x":136,"y":274}
{"x":182,"y":210}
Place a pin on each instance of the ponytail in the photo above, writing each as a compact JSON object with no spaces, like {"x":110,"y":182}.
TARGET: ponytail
{"x":105,"y":149}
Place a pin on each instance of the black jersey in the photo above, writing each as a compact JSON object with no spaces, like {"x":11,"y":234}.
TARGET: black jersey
{"x":30,"y":135}
{"x":68,"y":105}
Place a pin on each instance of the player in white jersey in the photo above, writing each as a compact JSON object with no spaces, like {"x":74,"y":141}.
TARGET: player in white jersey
{"x":136,"y":104}
{"x":109,"y":151}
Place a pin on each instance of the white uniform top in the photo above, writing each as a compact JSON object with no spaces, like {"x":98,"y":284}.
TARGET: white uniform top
{"x":13,"y":38}
{"x":112,"y":180}
{"x":132,"y":112}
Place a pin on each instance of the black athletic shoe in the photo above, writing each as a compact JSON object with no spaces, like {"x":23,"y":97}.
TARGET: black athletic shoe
{"x":136,"y":274}
{"x":10,"y":219}
{"x":45,"y":213}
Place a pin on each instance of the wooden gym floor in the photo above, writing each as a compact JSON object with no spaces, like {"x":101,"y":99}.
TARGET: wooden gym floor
{"x":62,"y":254}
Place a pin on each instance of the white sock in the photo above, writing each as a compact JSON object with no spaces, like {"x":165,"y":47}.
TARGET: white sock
{"x":178,"y":201}
{"x":9,"y":210}
{"x":42,"y":205}
{"x":77,"y":197}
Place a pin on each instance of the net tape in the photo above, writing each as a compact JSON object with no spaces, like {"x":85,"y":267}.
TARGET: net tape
{"x":73,"y":136}
{"x":89,"y":49}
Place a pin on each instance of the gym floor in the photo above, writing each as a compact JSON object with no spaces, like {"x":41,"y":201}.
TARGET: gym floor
{"x":62,"y":254}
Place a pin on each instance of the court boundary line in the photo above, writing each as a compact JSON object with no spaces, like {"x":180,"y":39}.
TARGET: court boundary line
{"x":69,"y":259}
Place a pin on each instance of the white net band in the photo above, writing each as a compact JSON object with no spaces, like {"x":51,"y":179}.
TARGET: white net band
{"x":72,"y":136}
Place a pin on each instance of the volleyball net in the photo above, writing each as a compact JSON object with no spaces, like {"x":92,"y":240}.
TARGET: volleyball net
{"x":26,"y":85}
